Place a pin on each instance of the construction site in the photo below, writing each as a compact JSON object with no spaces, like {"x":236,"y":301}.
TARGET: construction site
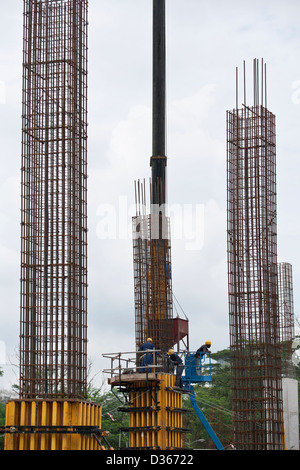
{"x":157,"y":377}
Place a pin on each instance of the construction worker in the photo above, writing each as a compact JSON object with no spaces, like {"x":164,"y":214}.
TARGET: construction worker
{"x":179,"y":367}
{"x":200,"y":353}
{"x":147,"y":358}
{"x":203,"y":349}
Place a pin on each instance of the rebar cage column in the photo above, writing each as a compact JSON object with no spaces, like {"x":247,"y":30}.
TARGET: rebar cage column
{"x":252,"y":278}
{"x":286,"y":317}
{"x":53,"y":323}
{"x":152,"y":283}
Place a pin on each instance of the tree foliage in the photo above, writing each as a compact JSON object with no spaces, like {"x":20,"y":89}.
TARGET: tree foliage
{"x":112,"y":418}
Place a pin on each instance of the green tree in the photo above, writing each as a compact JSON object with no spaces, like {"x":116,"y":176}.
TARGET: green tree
{"x":112,"y":418}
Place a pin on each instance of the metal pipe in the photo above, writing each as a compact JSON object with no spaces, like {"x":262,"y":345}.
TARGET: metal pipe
{"x":158,"y":160}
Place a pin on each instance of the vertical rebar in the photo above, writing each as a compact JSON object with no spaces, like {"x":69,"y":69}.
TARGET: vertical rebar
{"x":152,"y":277}
{"x":53,"y":317}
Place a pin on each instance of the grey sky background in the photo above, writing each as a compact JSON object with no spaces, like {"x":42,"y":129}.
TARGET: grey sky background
{"x":205,"y":42}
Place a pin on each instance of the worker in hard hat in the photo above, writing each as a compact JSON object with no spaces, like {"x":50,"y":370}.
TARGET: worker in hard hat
{"x":204,"y":349}
{"x":179,"y":367}
{"x":200,"y":353}
{"x":148,"y":357}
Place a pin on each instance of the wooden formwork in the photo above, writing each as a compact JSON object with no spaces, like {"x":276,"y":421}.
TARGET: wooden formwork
{"x":72,"y":425}
{"x":155,"y":411}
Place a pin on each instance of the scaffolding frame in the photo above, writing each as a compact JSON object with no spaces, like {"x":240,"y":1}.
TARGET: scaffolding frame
{"x":53,"y":299}
{"x":252,"y":276}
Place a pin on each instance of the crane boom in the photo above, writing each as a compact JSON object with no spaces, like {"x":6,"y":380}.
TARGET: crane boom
{"x":159,"y":159}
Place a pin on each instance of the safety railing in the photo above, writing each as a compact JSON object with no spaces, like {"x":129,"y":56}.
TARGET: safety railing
{"x":197,"y":367}
{"x":134,"y":362}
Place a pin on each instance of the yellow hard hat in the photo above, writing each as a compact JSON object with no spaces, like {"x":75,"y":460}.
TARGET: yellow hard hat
{"x":149,"y":339}
{"x":170,"y":352}
{"x":208,"y":343}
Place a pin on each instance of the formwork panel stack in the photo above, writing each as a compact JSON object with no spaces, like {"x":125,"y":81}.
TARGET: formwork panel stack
{"x":53,"y":425}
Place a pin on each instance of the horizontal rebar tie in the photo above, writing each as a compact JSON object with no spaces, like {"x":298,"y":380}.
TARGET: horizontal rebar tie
{"x":141,"y":428}
{"x":141,"y":408}
{"x":171,"y":429}
{"x":178,"y":410}
{"x":89,"y":430}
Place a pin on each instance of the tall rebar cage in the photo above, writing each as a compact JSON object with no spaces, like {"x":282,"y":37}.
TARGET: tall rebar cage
{"x":152,"y":286}
{"x":152,"y":279}
{"x":53,"y":312}
{"x":252,"y":278}
{"x":286,"y":317}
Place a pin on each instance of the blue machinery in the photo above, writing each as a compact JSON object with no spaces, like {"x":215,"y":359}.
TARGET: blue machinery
{"x":198,"y":370}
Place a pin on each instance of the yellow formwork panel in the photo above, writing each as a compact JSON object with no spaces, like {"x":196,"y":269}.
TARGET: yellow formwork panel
{"x":155,"y":420}
{"x":51,"y":413}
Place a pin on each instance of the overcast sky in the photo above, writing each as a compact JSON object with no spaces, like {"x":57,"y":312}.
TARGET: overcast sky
{"x":205,"y":43}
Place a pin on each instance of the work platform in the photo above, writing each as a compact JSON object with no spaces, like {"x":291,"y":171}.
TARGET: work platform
{"x":132,"y":378}
{"x":154,"y":403}
{"x":154,"y":406}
